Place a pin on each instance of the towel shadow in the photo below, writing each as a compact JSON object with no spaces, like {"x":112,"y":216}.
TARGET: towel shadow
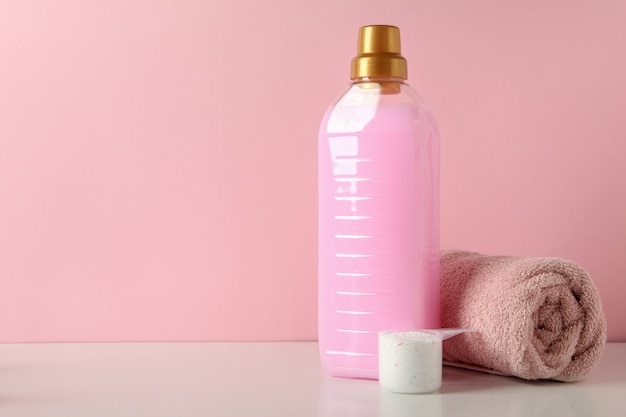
{"x":465,"y":380}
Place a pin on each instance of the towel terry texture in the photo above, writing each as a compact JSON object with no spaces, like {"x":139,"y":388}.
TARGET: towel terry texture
{"x":534,"y":318}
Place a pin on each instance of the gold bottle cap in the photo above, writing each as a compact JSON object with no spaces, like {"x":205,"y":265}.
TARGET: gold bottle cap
{"x":378,"y":53}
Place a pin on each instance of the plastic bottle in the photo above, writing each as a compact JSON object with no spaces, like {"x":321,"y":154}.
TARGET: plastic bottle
{"x":378,"y":210}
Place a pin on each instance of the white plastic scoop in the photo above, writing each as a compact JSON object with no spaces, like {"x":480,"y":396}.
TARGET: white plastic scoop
{"x":409,"y":361}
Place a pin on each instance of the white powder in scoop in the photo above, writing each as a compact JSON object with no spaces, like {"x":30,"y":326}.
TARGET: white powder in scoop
{"x":409,"y":362}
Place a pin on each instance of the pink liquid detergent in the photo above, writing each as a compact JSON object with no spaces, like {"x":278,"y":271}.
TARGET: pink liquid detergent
{"x":378,"y":223}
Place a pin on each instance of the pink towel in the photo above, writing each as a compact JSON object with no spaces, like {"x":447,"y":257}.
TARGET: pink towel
{"x":535,"y":318}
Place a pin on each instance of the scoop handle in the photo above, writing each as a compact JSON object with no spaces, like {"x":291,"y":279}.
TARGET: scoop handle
{"x":451,"y":332}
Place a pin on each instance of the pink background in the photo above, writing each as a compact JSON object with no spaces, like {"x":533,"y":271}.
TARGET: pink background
{"x":158,"y":158}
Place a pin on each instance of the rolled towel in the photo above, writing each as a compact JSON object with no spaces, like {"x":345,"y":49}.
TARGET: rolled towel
{"x":534,"y":318}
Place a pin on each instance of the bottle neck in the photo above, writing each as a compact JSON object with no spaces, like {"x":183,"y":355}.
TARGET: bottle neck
{"x":384,"y":85}
{"x":378,"y":79}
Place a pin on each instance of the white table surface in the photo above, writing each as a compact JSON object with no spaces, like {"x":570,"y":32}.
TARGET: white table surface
{"x":269,"y":379}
